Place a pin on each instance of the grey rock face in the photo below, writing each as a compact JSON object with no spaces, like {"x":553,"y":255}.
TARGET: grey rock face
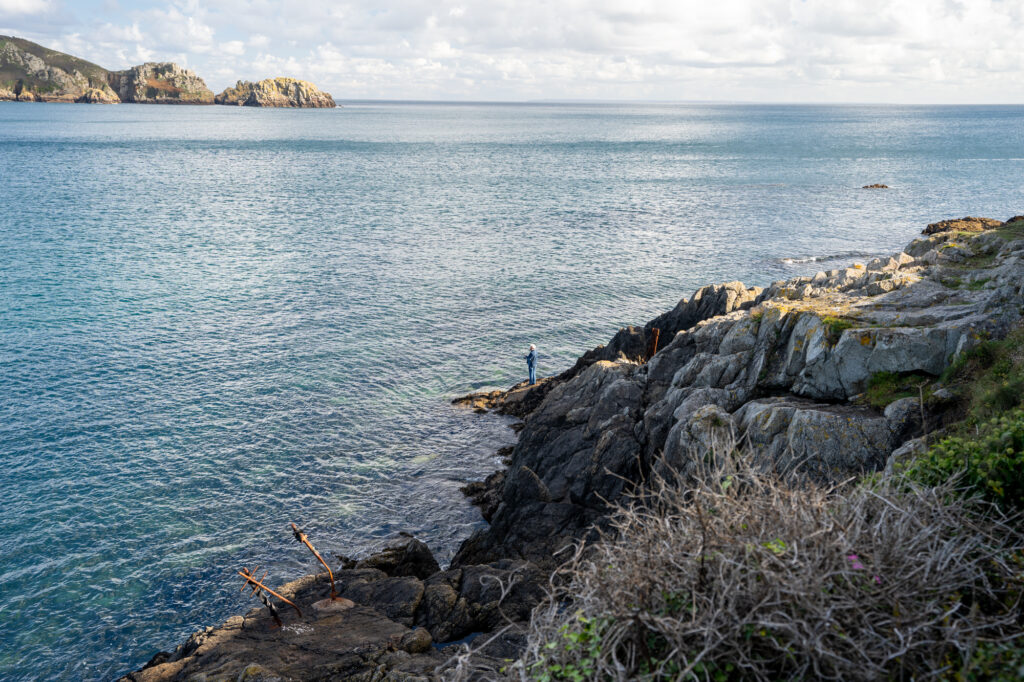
{"x":775,"y":369}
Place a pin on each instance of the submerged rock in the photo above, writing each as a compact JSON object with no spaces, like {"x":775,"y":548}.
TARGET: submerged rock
{"x":276,"y":92}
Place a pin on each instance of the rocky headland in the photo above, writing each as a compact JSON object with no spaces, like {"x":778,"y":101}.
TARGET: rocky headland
{"x":276,"y":92}
{"x":791,"y":370}
{"x":33,"y":73}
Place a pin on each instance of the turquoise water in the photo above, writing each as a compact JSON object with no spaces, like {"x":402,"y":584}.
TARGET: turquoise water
{"x":217,"y":321}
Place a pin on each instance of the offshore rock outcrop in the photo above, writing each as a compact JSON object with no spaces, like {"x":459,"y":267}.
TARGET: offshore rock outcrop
{"x":276,"y":92}
{"x":160,"y":83}
{"x":781,"y":369}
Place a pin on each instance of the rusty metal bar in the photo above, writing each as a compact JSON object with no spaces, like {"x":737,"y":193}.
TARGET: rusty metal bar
{"x":250,"y":578}
{"x":654,"y":342}
{"x":301,"y":537}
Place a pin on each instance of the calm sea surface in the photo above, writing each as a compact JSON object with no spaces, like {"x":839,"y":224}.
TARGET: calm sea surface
{"x":216,"y":321}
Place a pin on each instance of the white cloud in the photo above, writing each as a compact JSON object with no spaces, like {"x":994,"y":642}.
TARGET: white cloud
{"x":866,"y":50}
{"x":21,"y":7}
{"x":233,"y":47}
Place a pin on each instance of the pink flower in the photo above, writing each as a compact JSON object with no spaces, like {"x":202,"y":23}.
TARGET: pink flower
{"x":855,"y":563}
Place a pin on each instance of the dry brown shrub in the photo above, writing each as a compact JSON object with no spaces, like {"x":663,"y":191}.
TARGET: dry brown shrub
{"x":734,"y":574}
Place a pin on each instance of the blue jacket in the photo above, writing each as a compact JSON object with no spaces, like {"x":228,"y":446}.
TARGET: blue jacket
{"x":531,"y":358}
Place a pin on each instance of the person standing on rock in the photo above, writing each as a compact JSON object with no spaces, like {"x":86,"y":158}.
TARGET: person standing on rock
{"x":531,"y":363}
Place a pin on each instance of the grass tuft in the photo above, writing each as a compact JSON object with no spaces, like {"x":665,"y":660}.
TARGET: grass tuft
{"x":887,"y":387}
{"x":835,"y":326}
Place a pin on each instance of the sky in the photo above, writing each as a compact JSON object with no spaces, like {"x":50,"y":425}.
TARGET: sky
{"x":880,"y":51}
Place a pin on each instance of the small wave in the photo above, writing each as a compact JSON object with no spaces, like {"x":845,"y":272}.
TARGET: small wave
{"x":793,"y":260}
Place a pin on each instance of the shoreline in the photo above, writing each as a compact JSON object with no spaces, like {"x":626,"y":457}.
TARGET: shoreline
{"x":787,"y":365}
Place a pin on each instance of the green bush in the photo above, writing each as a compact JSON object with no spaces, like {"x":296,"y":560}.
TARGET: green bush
{"x":580,"y":640}
{"x":994,"y":663}
{"x":990,"y":377}
{"x":992,"y":460}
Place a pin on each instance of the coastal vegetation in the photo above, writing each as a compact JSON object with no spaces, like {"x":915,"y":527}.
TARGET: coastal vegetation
{"x":733,"y":574}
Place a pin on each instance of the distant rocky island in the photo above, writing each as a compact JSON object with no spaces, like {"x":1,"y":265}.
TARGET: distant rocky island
{"x":276,"y":92}
{"x":32,"y":73}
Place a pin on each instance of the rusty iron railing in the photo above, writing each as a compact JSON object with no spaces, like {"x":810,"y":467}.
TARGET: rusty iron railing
{"x":301,"y":537}
{"x":258,"y":589}
{"x":655,"y":335}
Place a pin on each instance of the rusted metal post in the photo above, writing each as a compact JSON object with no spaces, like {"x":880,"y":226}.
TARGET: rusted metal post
{"x":257,"y":585}
{"x":656,"y":334}
{"x":301,"y":537}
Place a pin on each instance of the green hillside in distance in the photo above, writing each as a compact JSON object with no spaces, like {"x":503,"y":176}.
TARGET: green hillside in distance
{"x":31,"y":72}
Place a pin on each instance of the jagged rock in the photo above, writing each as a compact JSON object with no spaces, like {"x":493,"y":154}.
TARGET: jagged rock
{"x":966,"y":224}
{"x":98,"y":96}
{"x":403,"y":556}
{"x":813,"y":342}
{"x":518,"y":401}
{"x":416,"y":642}
{"x":486,"y":494}
{"x":877,"y":185}
{"x":160,"y":83}
{"x":709,"y":430}
{"x":464,"y":600}
{"x":397,"y":598}
{"x":276,"y":92}
{"x":316,"y":645}
{"x":7,"y":95}
{"x":826,"y":441}
{"x":910,"y":449}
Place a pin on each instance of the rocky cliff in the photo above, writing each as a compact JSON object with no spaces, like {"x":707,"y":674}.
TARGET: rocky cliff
{"x":160,"y":83}
{"x":787,"y":371}
{"x":276,"y":92}
{"x":33,"y":73}
{"x":784,"y":369}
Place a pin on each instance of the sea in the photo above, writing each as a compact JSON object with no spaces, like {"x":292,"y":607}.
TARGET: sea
{"x":217,"y":321}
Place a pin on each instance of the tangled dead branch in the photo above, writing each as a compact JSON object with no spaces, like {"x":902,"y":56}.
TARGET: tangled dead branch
{"x":735,"y":574}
